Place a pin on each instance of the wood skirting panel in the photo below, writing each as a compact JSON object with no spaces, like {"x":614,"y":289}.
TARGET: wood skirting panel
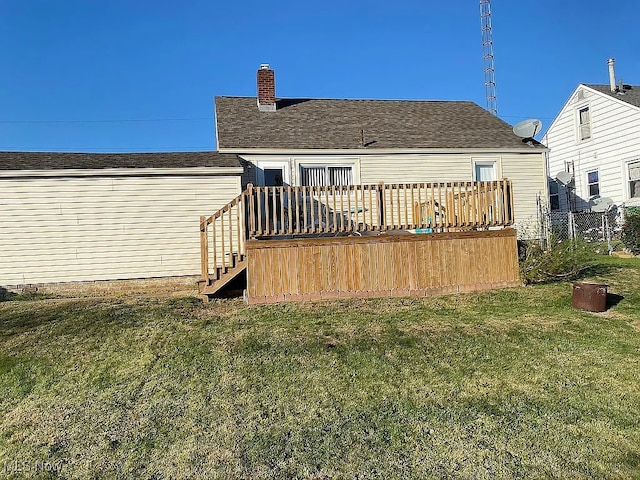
{"x":380,"y":266}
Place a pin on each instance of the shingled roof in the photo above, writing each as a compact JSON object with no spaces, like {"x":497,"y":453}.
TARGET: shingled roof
{"x":338,"y":124}
{"x":631,"y":93}
{"x":60,"y":160}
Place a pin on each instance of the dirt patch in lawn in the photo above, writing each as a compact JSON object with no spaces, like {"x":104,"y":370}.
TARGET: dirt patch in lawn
{"x":157,"y":287}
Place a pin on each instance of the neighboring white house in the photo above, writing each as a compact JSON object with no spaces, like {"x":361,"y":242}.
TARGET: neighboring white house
{"x":335,"y":142}
{"x":82,"y":216}
{"x":596,"y":139}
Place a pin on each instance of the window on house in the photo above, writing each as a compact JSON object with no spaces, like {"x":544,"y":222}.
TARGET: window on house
{"x":593,"y":182}
{"x":321,"y":175}
{"x":554,"y":197}
{"x":485,"y":171}
{"x":584,"y":119}
{"x":634,"y":179}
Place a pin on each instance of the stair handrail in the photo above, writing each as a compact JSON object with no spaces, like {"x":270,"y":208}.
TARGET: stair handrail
{"x":226,"y":241}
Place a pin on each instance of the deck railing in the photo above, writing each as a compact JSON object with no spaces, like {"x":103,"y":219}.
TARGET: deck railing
{"x":294,"y":211}
{"x":278,"y":211}
{"x":222,"y":238}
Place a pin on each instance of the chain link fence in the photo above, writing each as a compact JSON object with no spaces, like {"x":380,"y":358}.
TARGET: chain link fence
{"x":603,"y":228}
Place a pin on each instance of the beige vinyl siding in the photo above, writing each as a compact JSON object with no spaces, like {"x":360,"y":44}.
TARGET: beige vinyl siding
{"x":416,"y":168}
{"x":58,"y":229}
{"x":529,"y":180}
{"x":527,"y":170}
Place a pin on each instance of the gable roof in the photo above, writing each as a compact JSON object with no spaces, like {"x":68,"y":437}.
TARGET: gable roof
{"x":62,"y":160}
{"x":337,"y":124}
{"x":631,"y":96}
{"x":631,"y":93}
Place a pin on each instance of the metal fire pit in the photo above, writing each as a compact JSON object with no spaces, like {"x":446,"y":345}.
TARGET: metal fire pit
{"x":591,"y":297}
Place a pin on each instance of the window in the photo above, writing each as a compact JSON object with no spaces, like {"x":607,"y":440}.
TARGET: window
{"x":485,"y":171}
{"x":634,"y":179}
{"x":554,"y":197}
{"x":584,"y":120}
{"x":273,"y":172}
{"x":593,"y":183}
{"x":273,"y":177}
{"x":321,"y":175}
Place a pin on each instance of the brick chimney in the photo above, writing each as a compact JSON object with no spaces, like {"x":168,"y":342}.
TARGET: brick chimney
{"x":266,"y":89}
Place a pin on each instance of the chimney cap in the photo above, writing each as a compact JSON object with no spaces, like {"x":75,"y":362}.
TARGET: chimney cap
{"x":264,"y":66}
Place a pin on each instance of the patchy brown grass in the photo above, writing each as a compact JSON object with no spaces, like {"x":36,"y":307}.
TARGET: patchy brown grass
{"x":506,"y":384}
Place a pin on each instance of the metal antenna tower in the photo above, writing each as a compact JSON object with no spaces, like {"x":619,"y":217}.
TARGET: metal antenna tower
{"x":487,"y":56}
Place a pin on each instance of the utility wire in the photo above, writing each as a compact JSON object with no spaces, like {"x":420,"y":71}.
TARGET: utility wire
{"x":528,"y":116}
{"x":124,"y":120}
{"x":184,"y":119}
{"x":208,"y":148}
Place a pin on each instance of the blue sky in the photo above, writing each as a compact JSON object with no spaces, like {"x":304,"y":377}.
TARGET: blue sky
{"x":139,"y":75}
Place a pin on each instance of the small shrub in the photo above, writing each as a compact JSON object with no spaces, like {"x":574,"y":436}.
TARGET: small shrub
{"x":629,"y":211}
{"x":560,"y":260}
{"x":631,"y":233}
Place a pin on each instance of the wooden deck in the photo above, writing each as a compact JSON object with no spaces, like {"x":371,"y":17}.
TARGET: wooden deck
{"x":384,"y":265}
{"x":237,"y":232}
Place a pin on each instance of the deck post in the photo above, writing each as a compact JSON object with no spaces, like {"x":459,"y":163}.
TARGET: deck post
{"x":250,"y":219}
{"x":204,"y":250}
{"x":381,"y":213}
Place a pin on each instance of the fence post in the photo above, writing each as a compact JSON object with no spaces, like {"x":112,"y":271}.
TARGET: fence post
{"x":569,"y":225}
{"x":605,"y":224}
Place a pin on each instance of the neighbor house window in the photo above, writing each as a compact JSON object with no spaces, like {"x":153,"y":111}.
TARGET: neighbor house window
{"x":593,"y":183}
{"x":584,"y":121}
{"x":634,"y":179}
{"x":322,"y":175}
{"x":554,"y":197}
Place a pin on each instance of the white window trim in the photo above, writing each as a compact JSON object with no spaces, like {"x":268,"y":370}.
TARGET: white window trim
{"x":354,"y":163}
{"x":588,"y":184}
{"x":285,"y":165}
{"x":578,"y":129}
{"x":627,"y":180}
{"x":495,"y":162}
{"x":325,"y":165}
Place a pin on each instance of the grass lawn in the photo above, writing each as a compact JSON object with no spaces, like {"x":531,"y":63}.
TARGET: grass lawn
{"x":505,"y":384}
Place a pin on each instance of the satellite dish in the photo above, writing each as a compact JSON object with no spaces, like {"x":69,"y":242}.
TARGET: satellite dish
{"x":600,"y":204}
{"x":528,"y":128}
{"x":564,"y":178}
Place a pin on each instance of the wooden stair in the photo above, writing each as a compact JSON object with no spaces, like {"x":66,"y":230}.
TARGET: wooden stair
{"x":222,"y":246}
{"x":223,"y":275}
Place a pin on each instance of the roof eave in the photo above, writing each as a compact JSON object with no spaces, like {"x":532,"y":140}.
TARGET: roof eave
{"x":379,"y":151}
{"x":120,"y":172}
{"x":612,"y":97}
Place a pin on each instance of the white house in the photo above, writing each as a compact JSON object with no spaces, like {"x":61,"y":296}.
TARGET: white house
{"x":596,"y":139}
